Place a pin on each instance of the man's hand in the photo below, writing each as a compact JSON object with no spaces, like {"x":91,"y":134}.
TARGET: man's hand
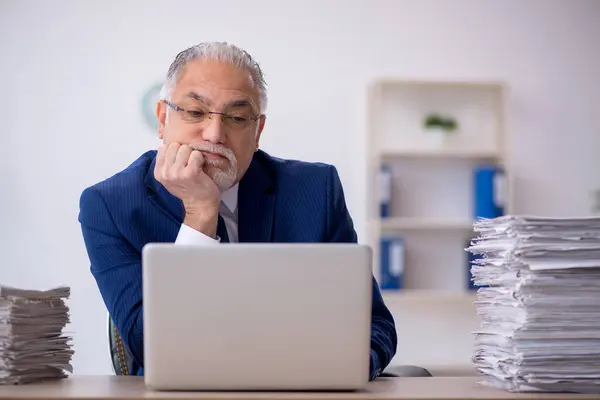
{"x":179,"y":170}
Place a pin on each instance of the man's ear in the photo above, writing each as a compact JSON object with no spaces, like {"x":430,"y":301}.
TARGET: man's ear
{"x":161,"y":116}
{"x":261,"y":126}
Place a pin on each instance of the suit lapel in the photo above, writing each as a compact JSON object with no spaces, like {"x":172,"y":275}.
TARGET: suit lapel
{"x":256,"y":202}
{"x":169,"y":204}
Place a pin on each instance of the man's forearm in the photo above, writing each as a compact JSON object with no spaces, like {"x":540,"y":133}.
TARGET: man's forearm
{"x":384,"y":339}
{"x":135,"y":339}
{"x":383,"y":346}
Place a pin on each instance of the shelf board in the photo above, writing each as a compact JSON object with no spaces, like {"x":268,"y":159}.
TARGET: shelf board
{"x":408,"y":223}
{"x":449,"y":154}
{"x":423,"y":296}
{"x":440,"y":83}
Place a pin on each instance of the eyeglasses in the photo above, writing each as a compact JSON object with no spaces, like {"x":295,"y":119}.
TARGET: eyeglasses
{"x":233,"y":122}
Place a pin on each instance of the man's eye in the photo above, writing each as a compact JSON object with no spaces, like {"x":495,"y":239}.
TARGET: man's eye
{"x":238,"y":119}
{"x":196,"y":114}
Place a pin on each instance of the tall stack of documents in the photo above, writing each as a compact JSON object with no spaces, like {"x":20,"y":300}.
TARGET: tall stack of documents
{"x":32,"y":344}
{"x":540,"y":314}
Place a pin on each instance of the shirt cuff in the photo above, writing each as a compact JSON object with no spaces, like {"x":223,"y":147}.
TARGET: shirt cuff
{"x":189,"y":236}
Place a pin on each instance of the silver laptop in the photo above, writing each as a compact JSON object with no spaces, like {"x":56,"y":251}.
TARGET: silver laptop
{"x":257,"y":316}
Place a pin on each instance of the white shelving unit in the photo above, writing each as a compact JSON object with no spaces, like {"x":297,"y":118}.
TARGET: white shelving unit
{"x":416,"y":224}
{"x":431,"y":209}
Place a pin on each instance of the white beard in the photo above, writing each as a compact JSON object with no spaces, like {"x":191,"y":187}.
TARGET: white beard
{"x":223,"y":178}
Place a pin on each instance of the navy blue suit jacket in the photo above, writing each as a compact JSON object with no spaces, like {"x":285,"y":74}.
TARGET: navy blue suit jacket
{"x":278,"y":201}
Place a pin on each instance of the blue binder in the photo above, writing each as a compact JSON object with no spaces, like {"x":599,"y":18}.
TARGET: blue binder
{"x":392,"y":261}
{"x":489,"y":201}
{"x":489,"y":191}
{"x":385,"y":190}
{"x":472,"y":257}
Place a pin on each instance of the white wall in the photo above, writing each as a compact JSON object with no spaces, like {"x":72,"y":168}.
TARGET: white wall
{"x":74,"y":71}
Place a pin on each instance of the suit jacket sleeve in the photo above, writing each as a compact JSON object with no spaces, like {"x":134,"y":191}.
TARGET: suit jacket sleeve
{"x":116,"y":266}
{"x":383,"y":329}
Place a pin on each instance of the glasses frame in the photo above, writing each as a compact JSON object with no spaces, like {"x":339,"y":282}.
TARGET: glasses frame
{"x":211,"y":113}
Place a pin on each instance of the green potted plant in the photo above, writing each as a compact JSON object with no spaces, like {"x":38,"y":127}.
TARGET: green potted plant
{"x":439,"y":126}
{"x":434,"y":121}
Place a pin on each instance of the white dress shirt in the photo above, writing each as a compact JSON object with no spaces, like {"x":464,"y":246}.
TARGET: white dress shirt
{"x":229,"y":212}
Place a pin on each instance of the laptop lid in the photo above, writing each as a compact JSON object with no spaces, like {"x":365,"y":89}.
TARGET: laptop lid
{"x":257,"y":316}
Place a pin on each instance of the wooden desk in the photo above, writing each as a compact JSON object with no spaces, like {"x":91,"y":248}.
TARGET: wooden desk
{"x":118,"y":388}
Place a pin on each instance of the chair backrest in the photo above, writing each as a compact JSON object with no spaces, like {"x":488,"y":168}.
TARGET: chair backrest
{"x":120,"y":356}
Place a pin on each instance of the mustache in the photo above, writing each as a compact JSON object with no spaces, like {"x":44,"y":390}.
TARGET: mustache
{"x":214,"y":148}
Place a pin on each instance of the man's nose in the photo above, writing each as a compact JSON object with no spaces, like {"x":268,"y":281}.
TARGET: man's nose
{"x":213,"y":129}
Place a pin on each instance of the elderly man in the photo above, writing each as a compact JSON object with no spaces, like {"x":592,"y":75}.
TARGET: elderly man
{"x":209,"y":183}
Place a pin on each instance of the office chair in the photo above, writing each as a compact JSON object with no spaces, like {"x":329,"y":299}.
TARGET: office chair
{"x":122,"y":360}
{"x":119,"y":354}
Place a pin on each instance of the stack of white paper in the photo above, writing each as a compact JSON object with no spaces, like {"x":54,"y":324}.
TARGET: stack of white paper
{"x":540,"y":314}
{"x":32,"y":344}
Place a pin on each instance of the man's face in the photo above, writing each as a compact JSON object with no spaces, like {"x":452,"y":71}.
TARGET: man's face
{"x":227,"y":142}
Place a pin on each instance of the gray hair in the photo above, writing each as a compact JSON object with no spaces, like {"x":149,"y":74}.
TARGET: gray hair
{"x":220,"y":51}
